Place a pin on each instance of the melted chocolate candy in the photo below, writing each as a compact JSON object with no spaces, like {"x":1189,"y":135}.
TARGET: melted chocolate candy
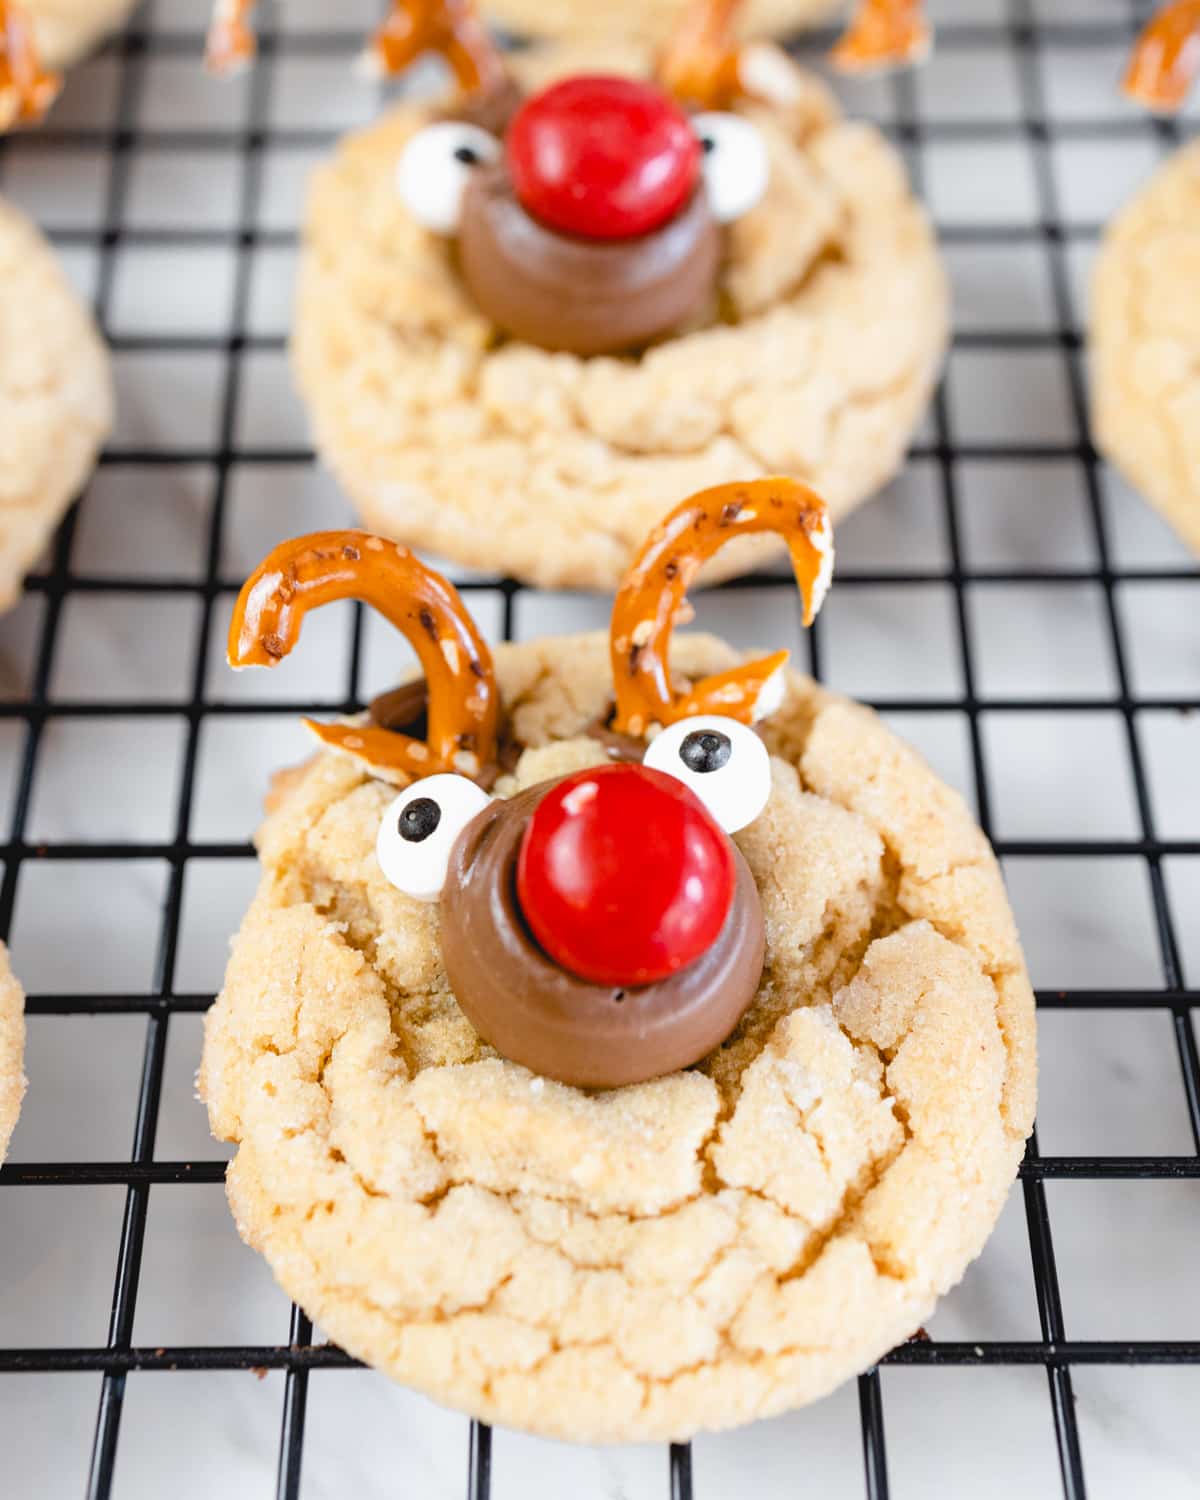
{"x":405,"y":709}
{"x":583,"y":296}
{"x":491,"y":109}
{"x":624,"y":747}
{"x":556,"y":1024}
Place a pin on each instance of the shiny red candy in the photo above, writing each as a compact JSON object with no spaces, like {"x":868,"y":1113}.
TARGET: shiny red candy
{"x":602,"y":158}
{"x":623,"y":876}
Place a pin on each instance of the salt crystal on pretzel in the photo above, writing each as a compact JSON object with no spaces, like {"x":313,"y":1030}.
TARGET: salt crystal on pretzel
{"x":650,"y":600}
{"x":313,"y":570}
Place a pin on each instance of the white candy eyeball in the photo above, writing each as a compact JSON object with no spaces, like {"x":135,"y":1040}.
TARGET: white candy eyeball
{"x":722,"y":761}
{"x":434,"y":168}
{"x":736,"y":170}
{"x":419,"y":829}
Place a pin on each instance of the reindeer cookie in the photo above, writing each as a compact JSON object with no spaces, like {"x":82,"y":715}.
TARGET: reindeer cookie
{"x":881,"y":33}
{"x":40,"y":36}
{"x":55,"y":396}
{"x":587,"y":276}
{"x":1144,"y":342}
{"x":626,"y":1038}
{"x":12,"y":1050}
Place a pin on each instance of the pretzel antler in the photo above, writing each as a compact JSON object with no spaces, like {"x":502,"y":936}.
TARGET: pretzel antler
{"x":313,"y":570}
{"x":1166,"y":57}
{"x":700,"y":63}
{"x":231,"y":39}
{"x":883,"y":34}
{"x":650,"y":599}
{"x":26,"y":91}
{"x":448,"y":27}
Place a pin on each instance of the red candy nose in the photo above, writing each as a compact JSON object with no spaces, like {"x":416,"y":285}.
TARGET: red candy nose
{"x":623,"y":876}
{"x":603,"y":158}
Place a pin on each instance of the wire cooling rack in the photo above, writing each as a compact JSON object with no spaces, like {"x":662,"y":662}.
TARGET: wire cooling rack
{"x":1008,"y":605}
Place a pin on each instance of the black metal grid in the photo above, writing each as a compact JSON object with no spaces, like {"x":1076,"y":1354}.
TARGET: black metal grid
{"x":1055,"y":1351}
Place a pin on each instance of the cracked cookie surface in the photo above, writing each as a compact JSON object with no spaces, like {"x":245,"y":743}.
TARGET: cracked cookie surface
{"x":690,"y":1253}
{"x":12,"y":1050}
{"x":1145,"y":342}
{"x":817,"y":361}
{"x":55,"y":396}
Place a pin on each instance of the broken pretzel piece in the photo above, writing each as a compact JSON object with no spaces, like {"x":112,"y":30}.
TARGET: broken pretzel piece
{"x":313,"y":570}
{"x":649,"y":601}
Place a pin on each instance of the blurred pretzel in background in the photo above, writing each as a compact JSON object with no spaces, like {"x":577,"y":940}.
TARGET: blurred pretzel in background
{"x":231,"y":40}
{"x":704,"y":65}
{"x":26,"y":90}
{"x":883,"y":34}
{"x":449,"y":28}
{"x":700,"y":65}
{"x":1166,"y":58}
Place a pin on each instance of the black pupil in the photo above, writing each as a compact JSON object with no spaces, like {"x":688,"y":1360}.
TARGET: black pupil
{"x":467,"y":155}
{"x":707,"y":144}
{"x":705,"y":750}
{"x":419,"y":819}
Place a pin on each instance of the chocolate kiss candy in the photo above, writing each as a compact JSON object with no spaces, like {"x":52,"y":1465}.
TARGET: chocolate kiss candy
{"x":536,"y":1013}
{"x":582,"y":296}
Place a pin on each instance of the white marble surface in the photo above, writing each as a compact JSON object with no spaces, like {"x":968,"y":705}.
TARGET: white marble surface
{"x":1127,"y":1251}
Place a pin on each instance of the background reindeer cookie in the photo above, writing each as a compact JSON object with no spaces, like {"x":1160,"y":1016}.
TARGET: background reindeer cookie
{"x":880,"y":33}
{"x":511,"y":372}
{"x":12,"y":1050}
{"x":56,"y":402}
{"x":604,"y":1147}
{"x":1145,"y":342}
{"x":645,"y":21}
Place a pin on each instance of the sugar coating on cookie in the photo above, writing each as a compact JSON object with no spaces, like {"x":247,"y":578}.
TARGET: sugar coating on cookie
{"x":12,"y":1050}
{"x":56,"y":402}
{"x":646,"y":21}
{"x":691,"y":1253}
{"x":1145,"y":342}
{"x":65,"y":30}
{"x":816,"y":358}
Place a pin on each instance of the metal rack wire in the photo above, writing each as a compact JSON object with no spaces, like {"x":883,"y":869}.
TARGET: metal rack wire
{"x":1026,"y":32}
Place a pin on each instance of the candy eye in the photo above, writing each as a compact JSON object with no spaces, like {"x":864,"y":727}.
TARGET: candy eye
{"x":735,"y":164}
{"x":419,"y":830}
{"x":722,"y":761}
{"x":434,"y":169}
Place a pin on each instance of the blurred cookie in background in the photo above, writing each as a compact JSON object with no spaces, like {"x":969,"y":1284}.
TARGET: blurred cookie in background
{"x":12,"y":1050}
{"x":56,"y":402}
{"x":650,"y":21}
{"x":1145,"y":342}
